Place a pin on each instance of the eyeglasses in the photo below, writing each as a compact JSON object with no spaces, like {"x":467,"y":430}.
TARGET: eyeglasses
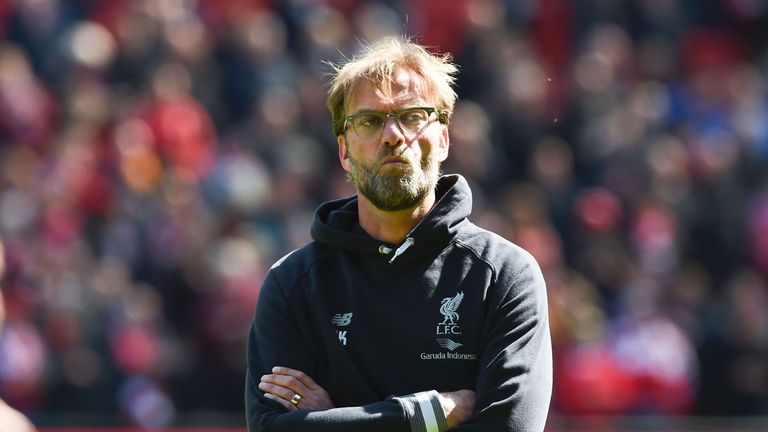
{"x":369,"y":124}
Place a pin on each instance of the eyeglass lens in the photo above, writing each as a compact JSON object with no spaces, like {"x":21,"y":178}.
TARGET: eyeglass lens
{"x":370,"y":124}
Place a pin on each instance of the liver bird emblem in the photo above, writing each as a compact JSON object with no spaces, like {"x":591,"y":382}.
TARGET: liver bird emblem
{"x":448,"y":308}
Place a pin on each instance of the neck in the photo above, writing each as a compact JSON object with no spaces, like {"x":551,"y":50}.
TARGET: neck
{"x":392,"y":226}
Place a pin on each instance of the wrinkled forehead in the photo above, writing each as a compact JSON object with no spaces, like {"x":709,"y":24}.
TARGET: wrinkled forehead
{"x":404,"y":87}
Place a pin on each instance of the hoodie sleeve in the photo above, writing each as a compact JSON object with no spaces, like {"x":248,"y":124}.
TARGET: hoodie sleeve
{"x":514,"y":381}
{"x":275,"y":339}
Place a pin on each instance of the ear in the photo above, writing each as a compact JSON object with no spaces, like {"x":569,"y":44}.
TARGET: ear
{"x":443,"y":144}
{"x":343,"y":153}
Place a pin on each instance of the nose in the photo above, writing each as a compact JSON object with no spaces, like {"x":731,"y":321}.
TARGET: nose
{"x":392,"y":134}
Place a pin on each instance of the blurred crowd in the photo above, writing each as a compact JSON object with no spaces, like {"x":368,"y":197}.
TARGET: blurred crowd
{"x":157,"y":156}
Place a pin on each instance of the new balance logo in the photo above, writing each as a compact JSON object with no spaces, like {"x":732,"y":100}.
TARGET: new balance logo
{"x":342,"y":320}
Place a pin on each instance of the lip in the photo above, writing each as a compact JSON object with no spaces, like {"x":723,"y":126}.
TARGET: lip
{"x":393,"y":160}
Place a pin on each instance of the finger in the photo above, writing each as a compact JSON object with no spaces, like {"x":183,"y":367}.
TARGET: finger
{"x":299,"y":375}
{"x":276,"y":390}
{"x":286,"y":404}
{"x":286,"y":381}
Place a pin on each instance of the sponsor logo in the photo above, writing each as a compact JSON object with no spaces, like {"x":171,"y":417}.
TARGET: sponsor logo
{"x":447,"y":356}
{"x":342,"y":320}
{"x":448,"y":344}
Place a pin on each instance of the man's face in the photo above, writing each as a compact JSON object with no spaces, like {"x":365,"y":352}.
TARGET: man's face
{"x":396,"y":169}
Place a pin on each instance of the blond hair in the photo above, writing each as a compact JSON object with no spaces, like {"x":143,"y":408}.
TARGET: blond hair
{"x":378,"y":64}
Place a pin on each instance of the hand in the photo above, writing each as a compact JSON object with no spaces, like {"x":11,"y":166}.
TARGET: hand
{"x":457,"y":406}
{"x":10,"y":419}
{"x":283,"y":384}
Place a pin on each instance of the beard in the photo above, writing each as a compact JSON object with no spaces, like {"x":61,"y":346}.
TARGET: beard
{"x":395,"y":188}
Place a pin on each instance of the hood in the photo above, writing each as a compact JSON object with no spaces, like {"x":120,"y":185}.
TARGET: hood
{"x":336,"y":223}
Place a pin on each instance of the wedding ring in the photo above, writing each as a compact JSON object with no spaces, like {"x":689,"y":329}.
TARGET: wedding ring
{"x":295,"y":399}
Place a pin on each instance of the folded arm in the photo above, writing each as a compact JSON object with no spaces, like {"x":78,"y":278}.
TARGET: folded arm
{"x":284,"y":384}
{"x":514,"y":382}
{"x":275,"y":339}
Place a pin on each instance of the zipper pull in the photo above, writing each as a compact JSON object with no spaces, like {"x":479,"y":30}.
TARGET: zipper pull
{"x":403,"y":247}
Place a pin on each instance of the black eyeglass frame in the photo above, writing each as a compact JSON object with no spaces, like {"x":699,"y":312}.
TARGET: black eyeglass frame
{"x":442,"y":117}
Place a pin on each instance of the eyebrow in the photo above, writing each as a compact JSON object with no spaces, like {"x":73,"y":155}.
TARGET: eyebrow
{"x":366,"y":111}
{"x":369,"y":110}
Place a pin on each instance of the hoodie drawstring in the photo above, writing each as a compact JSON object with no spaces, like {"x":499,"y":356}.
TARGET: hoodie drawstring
{"x":403,"y":247}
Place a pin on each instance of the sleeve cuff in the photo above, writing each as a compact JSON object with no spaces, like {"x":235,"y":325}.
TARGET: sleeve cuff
{"x":424,"y":411}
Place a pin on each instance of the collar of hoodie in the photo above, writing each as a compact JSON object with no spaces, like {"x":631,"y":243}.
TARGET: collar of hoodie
{"x":336,"y":224}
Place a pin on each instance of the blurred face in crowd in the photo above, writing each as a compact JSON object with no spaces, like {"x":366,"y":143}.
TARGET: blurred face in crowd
{"x":393,"y":161}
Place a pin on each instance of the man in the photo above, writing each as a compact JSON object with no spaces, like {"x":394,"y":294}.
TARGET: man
{"x":401,"y":315}
{"x":10,"y":419}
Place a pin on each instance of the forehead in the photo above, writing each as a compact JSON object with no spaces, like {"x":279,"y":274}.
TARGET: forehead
{"x":406,"y":89}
